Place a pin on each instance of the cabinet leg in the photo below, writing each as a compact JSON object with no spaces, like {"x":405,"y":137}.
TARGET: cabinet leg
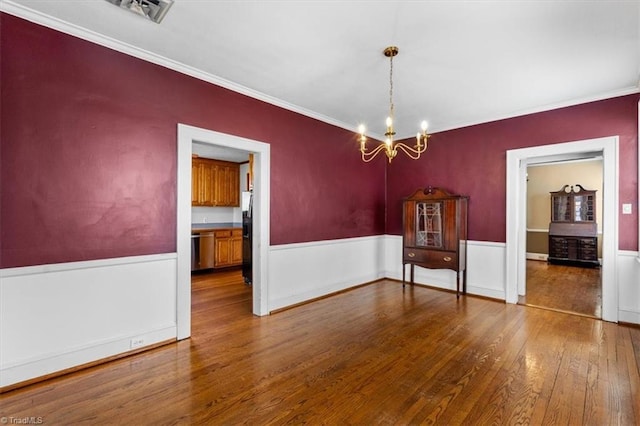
{"x":403,"y":271}
{"x":412,"y":274}
{"x":464,"y":281}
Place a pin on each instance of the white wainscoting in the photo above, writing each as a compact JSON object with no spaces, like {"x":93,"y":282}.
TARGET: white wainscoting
{"x":303,"y":271}
{"x":485,"y":273}
{"x":54,"y":317}
{"x":628,"y":266}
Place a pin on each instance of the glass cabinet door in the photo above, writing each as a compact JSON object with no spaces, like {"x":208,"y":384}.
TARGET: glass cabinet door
{"x":583,"y":208}
{"x":429,"y":224}
{"x":561,"y":209}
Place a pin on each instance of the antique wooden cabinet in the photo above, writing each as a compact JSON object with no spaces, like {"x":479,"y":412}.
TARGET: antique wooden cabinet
{"x":573,"y":230}
{"x":435,"y":233}
{"x":215,"y":183}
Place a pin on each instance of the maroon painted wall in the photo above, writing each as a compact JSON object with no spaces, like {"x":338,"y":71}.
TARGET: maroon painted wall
{"x":472,"y":161}
{"x":88,"y":154}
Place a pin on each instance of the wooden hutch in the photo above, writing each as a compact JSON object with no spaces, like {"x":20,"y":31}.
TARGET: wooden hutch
{"x":573,"y":231}
{"x":435,"y":233}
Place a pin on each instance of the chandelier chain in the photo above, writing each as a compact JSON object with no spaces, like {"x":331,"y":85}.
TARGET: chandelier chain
{"x":391,"y":86}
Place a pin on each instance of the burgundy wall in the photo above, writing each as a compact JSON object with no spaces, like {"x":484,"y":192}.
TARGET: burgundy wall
{"x":88,"y":154}
{"x":472,"y":161}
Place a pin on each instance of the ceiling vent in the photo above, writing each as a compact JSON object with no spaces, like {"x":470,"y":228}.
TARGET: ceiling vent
{"x":150,"y":9}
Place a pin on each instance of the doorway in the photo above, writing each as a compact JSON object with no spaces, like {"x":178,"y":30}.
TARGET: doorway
{"x":571,"y":287}
{"x":515,"y":247}
{"x":262,"y":166}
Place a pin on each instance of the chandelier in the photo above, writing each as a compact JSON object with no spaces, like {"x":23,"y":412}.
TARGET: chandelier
{"x":389,"y":146}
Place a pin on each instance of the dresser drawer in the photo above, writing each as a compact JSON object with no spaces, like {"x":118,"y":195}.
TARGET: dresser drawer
{"x":435,"y":259}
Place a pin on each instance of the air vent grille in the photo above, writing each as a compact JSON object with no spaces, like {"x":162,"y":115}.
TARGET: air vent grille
{"x":153,"y":10}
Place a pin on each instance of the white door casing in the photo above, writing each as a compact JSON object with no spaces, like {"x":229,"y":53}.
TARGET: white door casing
{"x":262,"y":169}
{"x":517,"y":161}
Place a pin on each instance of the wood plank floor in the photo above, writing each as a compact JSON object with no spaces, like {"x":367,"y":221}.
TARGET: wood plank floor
{"x":375,"y":355}
{"x":564,"y":288}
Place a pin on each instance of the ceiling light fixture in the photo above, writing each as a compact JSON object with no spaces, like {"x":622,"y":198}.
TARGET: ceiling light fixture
{"x":388,"y":146}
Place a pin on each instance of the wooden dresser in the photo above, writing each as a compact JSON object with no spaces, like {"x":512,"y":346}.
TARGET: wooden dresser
{"x":435,"y":233}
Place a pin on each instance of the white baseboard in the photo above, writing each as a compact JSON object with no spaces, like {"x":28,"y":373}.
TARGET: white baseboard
{"x":70,"y":358}
{"x":55,"y":317}
{"x":537,"y":256}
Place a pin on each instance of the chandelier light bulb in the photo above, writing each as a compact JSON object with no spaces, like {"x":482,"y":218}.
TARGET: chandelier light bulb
{"x":389,"y":121}
{"x":423,"y":126}
{"x":361,"y":129}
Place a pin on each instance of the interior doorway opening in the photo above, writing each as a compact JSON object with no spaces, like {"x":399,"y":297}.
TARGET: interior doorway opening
{"x":221,"y":236}
{"x":515,"y":248}
{"x":570,"y":282}
{"x":187,"y":135}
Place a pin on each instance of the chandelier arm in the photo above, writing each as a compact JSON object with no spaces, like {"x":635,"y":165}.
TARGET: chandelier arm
{"x":368,"y":156}
{"x":411,"y":152}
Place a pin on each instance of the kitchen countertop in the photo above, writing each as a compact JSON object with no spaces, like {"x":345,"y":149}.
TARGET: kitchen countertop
{"x":199,"y":227}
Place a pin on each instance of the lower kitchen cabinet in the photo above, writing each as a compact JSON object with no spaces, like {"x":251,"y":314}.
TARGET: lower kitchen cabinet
{"x":228,"y":248}
{"x":218,"y":248}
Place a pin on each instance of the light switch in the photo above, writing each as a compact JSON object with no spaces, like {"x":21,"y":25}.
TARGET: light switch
{"x":626,"y":209}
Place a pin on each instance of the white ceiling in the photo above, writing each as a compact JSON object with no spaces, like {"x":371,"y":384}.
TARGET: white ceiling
{"x":460,"y":62}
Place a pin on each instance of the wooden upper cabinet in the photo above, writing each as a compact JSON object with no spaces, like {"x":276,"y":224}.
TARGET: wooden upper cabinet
{"x":196,"y":183}
{"x":215,"y":183}
{"x":227,"y":184}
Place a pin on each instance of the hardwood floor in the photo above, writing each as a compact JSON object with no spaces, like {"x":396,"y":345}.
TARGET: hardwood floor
{"x":564,"y":288}
{"x":375,"y":355}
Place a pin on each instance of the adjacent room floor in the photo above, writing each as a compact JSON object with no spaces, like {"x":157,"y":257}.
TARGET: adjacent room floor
{"x":564,"y":288}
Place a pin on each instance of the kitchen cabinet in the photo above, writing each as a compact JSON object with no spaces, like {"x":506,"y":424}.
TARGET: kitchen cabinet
{"x":435,"y":233}
{"x":216,"y":248}
{"x":226,"y":182}
{"x":215,"y":183}
{"x":228,"y":247}
{"x":573,"y":231}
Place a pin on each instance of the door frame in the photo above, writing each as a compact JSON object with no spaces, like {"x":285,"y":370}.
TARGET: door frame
{"x":260,"y":251}
{"x":515,"y":249}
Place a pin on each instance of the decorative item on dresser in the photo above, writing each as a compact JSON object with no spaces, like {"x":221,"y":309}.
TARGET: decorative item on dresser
{"x":573,"y":231}
{"x":435,"y":233}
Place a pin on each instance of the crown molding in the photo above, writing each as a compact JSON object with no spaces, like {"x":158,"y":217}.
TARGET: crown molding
{"x":548,"y":107}
{"x":40,"y":18}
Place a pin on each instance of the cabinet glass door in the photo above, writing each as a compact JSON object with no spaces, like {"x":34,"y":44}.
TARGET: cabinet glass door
{"x":583,"y":208}
{"x":561,"y":209}
{"x":429,"y":224}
